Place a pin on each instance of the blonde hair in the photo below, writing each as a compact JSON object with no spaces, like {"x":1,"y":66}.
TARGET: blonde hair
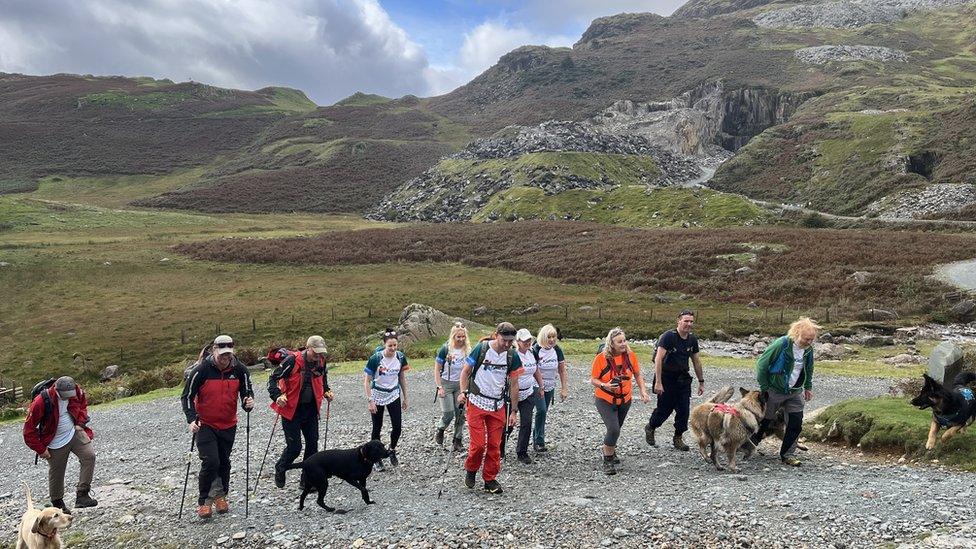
{"x":457,"y":328}
{"x":545,"y":333}
{"x":608,"y":343}
{"x":802,"y":325}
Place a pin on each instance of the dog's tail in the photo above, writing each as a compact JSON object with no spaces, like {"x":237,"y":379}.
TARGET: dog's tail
{"x":964,"y":378}
{"x":30,"y":497}
{"x":723,"y":395}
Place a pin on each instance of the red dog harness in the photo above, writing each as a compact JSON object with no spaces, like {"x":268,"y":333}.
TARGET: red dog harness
{"x":724,"y":408}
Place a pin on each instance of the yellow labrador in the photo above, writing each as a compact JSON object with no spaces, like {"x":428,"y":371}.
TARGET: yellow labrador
{"x":39,"y":527}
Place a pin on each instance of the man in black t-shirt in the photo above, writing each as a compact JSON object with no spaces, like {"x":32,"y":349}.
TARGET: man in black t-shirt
{"x":672,"y":382}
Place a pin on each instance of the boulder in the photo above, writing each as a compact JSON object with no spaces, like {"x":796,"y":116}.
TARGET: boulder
{"x":742,"y":271}
{"x":480,"y":311}
{"x":826,"y":337}
{"x":873,"y":340}
{"x":828,"y":351}
{"x":422,"y":322}
{"x":720,"y":335}
{"x":110,"y":372}
{"x":877,"y":314}
{"x":752,"y":305}
{"x":531,"y":309}
{"x":759,"y":347}
{"x":903,"y":359}
{"x":946,"y":362}
{"x":963,"y":311}
{"x":860,"y":278}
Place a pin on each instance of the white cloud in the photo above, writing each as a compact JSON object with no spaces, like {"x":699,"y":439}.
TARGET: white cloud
{"x":328,"y":48}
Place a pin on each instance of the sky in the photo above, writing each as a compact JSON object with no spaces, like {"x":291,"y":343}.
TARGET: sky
{"x":327,"y":48}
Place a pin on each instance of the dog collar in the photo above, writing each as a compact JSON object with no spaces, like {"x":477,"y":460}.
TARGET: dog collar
{"x":50,"y":535}
{"x":362,"y":455}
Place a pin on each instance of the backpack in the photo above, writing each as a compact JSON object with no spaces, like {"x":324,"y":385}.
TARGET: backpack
{"x":276,"y":356}
{"x":401,"y":357}
{"x":41,"y":389}
{"x":509,"y":360}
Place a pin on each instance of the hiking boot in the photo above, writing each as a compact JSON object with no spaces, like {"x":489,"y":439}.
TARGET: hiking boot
{"x":457,"y":445}
{"x":492,"y":487}
{"x":469,"y":479}
{"x":279,"y":477}
{"x":608,"y":466}
{"x":204,"y":511}
{"x":379,"y":467}
{"x":524,"y":458}
{"x":680,"y":444}
{"x":59,"y":503}
{"x":791,"y":460}
{"x":439,"y":437}
{"x":220,"y":502}
{"x":540,"y":448}
{"x":649,"y":434}
{"x":393,"y":458}
{"x":616,"y":460}
{"x":83,"y":499}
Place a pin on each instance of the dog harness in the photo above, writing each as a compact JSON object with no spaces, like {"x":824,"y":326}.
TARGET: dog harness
{"x":962,"y":415}
{"x":724,"y":408}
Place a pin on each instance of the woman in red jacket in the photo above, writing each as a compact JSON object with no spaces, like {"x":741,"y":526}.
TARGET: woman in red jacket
{"x":56,"y":425}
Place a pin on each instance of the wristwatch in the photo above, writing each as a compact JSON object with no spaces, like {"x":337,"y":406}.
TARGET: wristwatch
{"x":701,"y":381}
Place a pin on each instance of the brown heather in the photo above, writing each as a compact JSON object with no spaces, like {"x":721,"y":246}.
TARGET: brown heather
{"x":813,"y":271}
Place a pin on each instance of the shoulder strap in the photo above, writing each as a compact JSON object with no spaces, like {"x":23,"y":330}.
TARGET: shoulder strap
{"x":536,"y":350}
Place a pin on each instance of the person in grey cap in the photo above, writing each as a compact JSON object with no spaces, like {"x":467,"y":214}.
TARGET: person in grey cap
{"x":56,"y":425}
{"x":297,"y":387}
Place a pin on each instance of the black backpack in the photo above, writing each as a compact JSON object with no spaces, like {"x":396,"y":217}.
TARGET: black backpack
{"x":41,"y":389}
{"x":509,"y":359}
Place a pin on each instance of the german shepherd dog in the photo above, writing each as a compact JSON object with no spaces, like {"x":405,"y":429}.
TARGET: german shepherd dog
{"x":952,"y":409}
{"x":730,"y":427}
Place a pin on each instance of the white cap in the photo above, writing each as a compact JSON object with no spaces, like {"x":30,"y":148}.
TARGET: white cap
{"x":223,"y":344}
{"x":523,"y":335}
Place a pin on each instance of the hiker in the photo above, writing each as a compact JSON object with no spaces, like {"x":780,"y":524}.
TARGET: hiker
{"x":785,"y":374}
{"x":529,"y":392}
{"x":552,"y":364}
{"x":615,"y":369}
{"x":489,"y":382}
{"x":209,"y":400}
{"x":57,"y":425}
{"x":447,"y":376}
{"x":386,"y":389}
{"x":672,"y":382}
{"x":297,"y":387}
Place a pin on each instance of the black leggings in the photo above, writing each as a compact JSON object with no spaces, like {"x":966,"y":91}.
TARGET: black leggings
{"x":526,"y":407}
{"x":613,"y":417}
{"x":794,"y":425}
{"x":395,"y":418}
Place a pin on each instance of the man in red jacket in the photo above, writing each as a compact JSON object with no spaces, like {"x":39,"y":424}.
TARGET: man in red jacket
{"x":297,"y":387}
{"x":56,"y":425}
{"x":210,"y":403}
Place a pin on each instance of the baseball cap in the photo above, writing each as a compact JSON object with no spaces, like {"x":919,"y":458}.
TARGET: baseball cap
{"x":66,"y":387}
{"x":506,"y":330}
{"x":523,"y":335}
{"x":317,"y":344}
{"x":223,"y":344}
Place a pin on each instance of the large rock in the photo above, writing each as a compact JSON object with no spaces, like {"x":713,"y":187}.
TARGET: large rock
{"x":821,"y":55}
{"x":828,"y":351}
{"x":422,"y":322}
{"x":877,"y":314}
{"x":110,"y":372}
{"x":946,"y":362}
{"x":963,"y":311}
{"x":873,"y":340}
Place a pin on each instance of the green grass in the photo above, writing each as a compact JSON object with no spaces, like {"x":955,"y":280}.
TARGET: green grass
{"x":289,"y":100}
{"x":113,"y":191}
{"x":360,"y":99}
{"x":616,"y":169}
{"x":140,"y":101}
{"x":630,"y":205}
{"x":890,"y":425}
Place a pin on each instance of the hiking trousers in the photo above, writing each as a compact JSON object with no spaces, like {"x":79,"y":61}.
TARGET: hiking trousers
{"x":485,"y":429}
{"x":542,"y":405}
{"x":792,"y":404}
{"x":214,"y":446}
{"x":525,"y":408}
{"x":304,"y":424}
{"x":613,"y":417}
{"x":675,"y":399}
{"x":80,"y":446}
{"x":449,"y":408}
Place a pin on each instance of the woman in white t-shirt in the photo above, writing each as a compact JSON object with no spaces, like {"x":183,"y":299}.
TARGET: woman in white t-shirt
{"x":385,"y":383}
{"x":552,"y":364}
{"x":447,"y":377}
{"x":529,"y":384}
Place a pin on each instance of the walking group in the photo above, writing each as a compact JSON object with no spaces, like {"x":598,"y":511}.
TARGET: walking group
{"x":504,"y":380}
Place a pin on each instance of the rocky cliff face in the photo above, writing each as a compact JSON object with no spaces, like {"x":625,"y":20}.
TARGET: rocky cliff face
{"x":676,"y":142}
{"x":698,"y":9}
{"x":848,"y":13}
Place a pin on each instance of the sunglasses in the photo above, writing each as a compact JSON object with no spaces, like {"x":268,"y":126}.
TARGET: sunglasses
{"x":225,"y":345}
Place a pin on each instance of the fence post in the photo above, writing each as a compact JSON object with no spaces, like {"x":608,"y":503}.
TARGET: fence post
{"x":652,"y":314}
{"x":567,"y":311}
{"x":120,"y":355}
{"x":828,"y":313}
{"x":333,"y":313}
{"x":183,"y":336}
{"x":782,"y":312}
{"x":254,"y":325}
{"x":369,"y":312}
{"x":599,"y":313}
{"x":292,"y":320}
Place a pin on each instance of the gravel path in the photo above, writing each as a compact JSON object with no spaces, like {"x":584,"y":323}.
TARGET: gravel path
{"x":662,"y":497}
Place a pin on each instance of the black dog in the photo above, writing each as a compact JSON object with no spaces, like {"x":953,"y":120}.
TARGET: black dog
{"x":352,"y":466}
{"x":952,"y":409}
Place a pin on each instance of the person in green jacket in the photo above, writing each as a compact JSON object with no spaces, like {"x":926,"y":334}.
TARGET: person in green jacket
{"x":785,"y":375}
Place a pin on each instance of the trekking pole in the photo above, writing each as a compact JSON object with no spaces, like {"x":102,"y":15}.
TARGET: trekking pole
{"x":261,"y":468}
{"x":247,"y":462}
{"x":328,"y":410}
{"x":186,"y":478}
{"x":450,"y":459}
